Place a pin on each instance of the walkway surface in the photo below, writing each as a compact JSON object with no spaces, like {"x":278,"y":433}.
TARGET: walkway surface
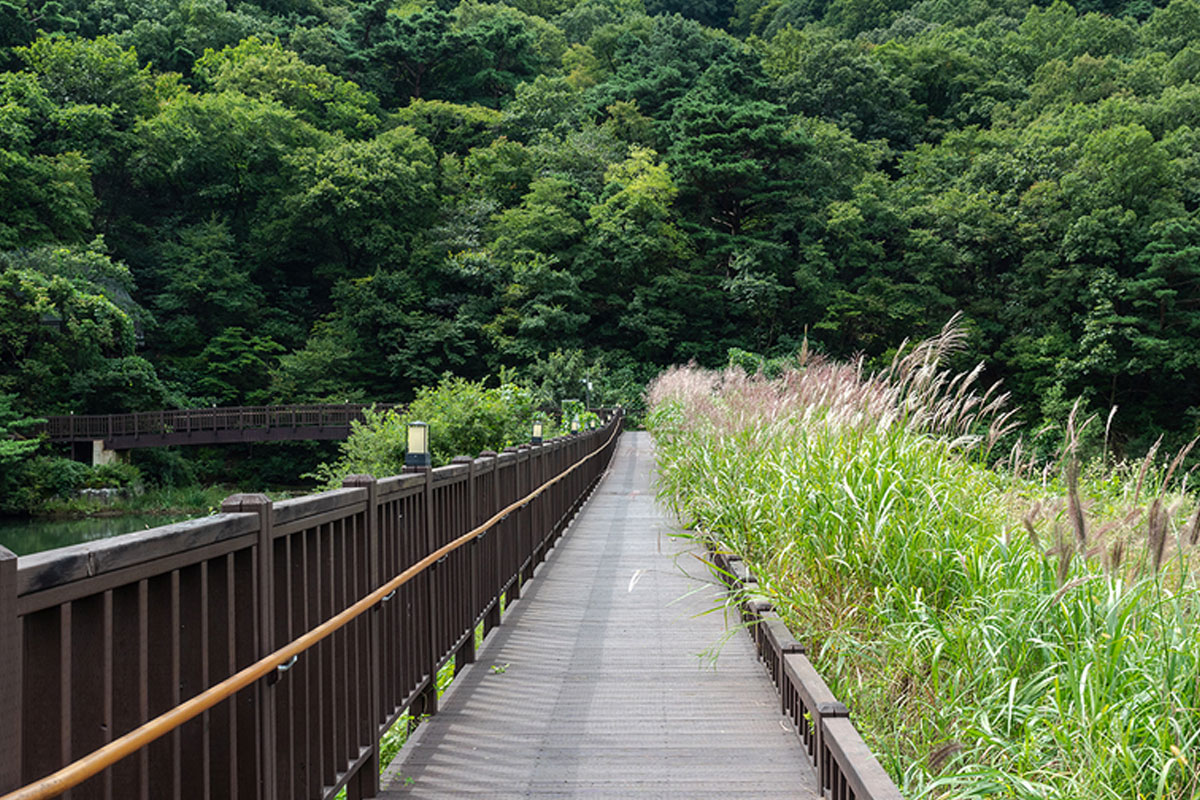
{"x":596,"y":685}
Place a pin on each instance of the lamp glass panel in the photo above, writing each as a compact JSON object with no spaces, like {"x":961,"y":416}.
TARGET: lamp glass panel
{"x":418,"y":437}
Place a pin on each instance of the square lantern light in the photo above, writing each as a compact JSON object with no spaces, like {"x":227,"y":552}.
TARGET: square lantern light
{"x":418,"y":456}
{"x":575,"y":424}
{"x":536,"y":437}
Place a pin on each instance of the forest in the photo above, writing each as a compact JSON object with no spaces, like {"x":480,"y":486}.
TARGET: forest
{"x":211,"y":202}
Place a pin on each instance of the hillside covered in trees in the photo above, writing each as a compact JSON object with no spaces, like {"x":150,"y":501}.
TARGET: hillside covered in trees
{"x":205,"y":201}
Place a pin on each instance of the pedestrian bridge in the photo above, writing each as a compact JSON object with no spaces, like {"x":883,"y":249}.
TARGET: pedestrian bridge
{"x":263,"y":652}
{"x":100,"y":436}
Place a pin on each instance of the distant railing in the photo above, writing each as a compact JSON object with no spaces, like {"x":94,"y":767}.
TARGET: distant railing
{"x":209,"y":425}
{"x":103,"y":640}
{"x":846,"y":768}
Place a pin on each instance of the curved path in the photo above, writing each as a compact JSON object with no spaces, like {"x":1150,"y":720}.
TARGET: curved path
{"x":595,"y":685}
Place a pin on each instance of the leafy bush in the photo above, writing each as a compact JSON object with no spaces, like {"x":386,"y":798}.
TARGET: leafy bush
{"x":117,"y":475}
{"x":753,"y":363}
{"x":165,"y":467}
{"x":464,"y":418}
{"x":39,"y":479}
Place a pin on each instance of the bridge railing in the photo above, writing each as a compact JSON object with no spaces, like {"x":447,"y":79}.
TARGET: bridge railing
{"x":98,"y":640}
{"x":846,"y":767}
{"x":82,"y":427}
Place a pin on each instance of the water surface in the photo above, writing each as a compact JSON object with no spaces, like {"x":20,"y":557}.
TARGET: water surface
{"x":25,"y":536}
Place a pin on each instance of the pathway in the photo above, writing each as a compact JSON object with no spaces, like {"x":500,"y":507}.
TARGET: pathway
{"x":593,"y":687}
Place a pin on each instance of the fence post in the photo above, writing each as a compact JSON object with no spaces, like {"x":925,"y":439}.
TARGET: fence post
{"x":367,"y":781}
{"x":525,"y":533}
{"x":493,"y":616}
{"x":825,"y":767}
{"x":429,"y":701}
{"x":10,"y":668}
{"x":539,"y":507}
{"x":466,"y":653}
{"x":265,"y":574}
{"x":514,"y":529}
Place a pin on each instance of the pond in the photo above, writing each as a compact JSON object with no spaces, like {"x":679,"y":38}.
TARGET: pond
{"x":25,"y":536}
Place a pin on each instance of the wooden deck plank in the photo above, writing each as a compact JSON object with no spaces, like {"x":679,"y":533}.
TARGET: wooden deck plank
{"x":593,"y":687}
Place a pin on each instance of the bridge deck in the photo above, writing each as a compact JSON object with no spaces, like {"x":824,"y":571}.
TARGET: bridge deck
{"x":593,"y":686}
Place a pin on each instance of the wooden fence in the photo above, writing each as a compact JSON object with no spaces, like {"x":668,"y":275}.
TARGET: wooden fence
{"x":97,"y":639}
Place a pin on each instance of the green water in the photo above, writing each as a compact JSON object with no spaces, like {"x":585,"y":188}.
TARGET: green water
{"x":25,"y":536}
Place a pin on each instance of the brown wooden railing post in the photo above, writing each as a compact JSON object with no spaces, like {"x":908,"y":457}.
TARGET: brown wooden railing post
{"x":825,"y":768}
{"x":367,"y":782}
{"x":10,"y":675}
{"x":466,"y":653}
{"x":538,"y":465}
{"x":429,"y":701}
{"x":526,"y":534}
{"x":514,"y":529}
{"x":497,"y":580}
{"x":264,"y":576}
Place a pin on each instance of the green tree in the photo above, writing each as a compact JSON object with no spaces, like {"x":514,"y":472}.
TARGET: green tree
{"x":266,"y":71}
{"x":234,"y":368}
{"x":66,"y":341}
{"x":44,"y":199}
{"x":91,"y":71}
{"x":221,"y":153}
{"x":362,"y":203}
{"x":199,"y":288}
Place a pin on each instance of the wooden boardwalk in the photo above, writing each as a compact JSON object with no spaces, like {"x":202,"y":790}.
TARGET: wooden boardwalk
{"x":594,"y":686}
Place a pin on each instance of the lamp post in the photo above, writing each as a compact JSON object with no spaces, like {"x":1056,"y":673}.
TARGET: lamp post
{"x":536,"y":437}
{"x":587,"y":384}
{"x":417,"y":458}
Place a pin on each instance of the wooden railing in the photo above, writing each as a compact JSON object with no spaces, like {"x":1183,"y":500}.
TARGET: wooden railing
{"x":103,"y":640}
{"x":209,"y":425}
{"x":846,"y":768}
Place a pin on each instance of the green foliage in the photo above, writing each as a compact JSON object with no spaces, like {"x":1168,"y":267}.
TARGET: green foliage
{"x":117,"y":475}
{"x":980,"y":639}
{"x":16,"y":449}
{"x":164,"y":467}
{"x":32,"y":482}
{"x":464,"y":418}
{"x":97,"y":72}
{"x":363,"y":201}
{"x":450,"y":127}
{"x":67,"y":334}
{"x":50,"y":197}
{"x":266,"y":71}
{"x":303,"y":201}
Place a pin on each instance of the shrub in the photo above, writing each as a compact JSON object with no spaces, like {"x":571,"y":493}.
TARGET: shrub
{"x":464,"y":418}
{"x":39,"y":479}
{"x":165,"y":467}
{"x":117,"y":475}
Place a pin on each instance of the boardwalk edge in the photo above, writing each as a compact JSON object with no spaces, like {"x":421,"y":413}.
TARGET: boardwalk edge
{"x":846,"y":767}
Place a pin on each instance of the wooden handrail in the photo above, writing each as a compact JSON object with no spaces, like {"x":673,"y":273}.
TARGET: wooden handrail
{"x":104,"y":757}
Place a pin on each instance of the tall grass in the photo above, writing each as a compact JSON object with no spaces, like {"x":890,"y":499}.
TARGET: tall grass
{"x":999,"y":627}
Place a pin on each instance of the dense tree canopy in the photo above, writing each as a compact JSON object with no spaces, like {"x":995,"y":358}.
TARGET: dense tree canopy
{"x":213,"y":202}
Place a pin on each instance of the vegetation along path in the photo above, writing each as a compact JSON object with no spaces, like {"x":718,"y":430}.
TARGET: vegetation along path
{"x":594,"y":688}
